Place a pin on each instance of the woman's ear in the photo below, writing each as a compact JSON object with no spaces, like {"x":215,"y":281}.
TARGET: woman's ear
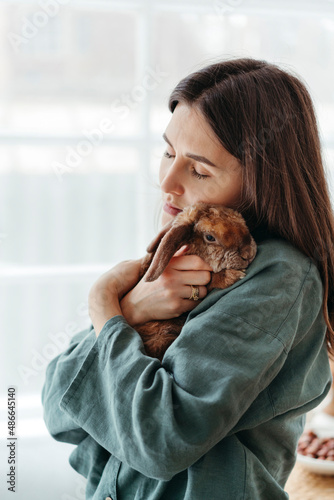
{"x":170,"y":243}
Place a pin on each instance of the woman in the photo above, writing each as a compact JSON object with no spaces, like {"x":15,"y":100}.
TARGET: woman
{"x":221,"y":416}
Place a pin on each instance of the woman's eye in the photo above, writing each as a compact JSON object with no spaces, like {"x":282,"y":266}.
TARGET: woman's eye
{"x":198,"y":175}
{"x":167,"y":155}
{"x":210,"y":238}
{"x":193,"y":170}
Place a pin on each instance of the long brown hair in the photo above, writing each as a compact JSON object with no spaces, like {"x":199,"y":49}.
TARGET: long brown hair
{"x":265,"y":117}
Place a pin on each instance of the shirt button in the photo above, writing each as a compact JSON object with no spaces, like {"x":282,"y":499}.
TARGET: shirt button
{"x":108,"y":498}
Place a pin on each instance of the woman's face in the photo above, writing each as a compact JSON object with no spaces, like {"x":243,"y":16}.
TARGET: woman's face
{"x":195,"y":167}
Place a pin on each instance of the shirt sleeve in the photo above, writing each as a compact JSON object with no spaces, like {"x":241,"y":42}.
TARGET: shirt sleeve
{"x":57,"y":379}
{"x":160,"y":418}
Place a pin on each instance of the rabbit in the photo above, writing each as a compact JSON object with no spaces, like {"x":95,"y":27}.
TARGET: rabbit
{"x":215,"y":233}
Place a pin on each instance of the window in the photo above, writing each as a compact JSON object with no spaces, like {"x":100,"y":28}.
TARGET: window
{"x":84,"y":87}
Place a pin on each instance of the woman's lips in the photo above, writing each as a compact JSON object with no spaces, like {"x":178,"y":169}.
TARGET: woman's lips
{"x":171,"y":210}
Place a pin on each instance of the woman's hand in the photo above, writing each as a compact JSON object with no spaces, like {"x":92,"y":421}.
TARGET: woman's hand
{"x":168,"y":296}
{"x":106,"y":292}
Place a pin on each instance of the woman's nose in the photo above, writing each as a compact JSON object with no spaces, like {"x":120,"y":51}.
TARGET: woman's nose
{"x":172,"y":180}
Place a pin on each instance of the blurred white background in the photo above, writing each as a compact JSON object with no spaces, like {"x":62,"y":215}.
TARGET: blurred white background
{"x":84,"y":87}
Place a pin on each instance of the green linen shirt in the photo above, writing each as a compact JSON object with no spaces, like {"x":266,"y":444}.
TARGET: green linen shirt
{"x":221,"y":416}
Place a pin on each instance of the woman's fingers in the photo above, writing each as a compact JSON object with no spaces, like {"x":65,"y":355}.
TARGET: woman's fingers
{"x":195,"y":277}
{"x":175,"y":279}
{"x":169,"y":295}
{"x":120,"y":278}
{"x":184,"y":271}
{"x":189,"y":262}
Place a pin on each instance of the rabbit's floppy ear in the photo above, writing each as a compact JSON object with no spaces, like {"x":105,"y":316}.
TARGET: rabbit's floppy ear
{"x":152,"y":247}
{"x":174,"y":239}
{"x":155,"y":242}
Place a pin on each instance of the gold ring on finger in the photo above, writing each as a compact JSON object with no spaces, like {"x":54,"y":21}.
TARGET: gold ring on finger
{"x":194,"y":293}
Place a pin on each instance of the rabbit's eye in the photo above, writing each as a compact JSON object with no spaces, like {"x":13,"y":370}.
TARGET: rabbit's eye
{"x":210,"y":238}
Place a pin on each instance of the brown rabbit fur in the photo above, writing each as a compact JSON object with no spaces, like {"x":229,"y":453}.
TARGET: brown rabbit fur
{"x":219,"y":236}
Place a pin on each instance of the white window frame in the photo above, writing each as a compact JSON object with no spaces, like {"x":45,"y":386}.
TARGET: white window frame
{"x":146,"y":9}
